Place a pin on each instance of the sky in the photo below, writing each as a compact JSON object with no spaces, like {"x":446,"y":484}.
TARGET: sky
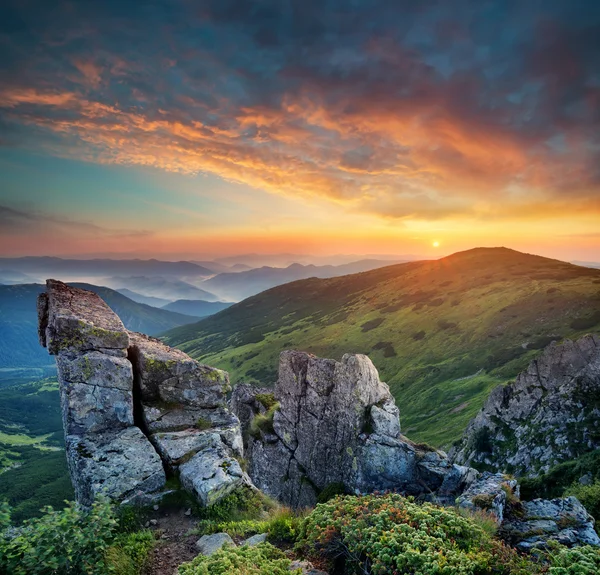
{"x":180,"y":128}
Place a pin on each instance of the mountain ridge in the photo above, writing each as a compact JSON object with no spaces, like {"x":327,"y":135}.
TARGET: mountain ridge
{"x":442,"y":332}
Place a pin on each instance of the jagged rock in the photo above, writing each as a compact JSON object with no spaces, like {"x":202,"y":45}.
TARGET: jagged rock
{"x":209,"y":544}
{"x":490,"y":492}
{"x":244,"y":404}
{"x":170,"y":376}
{"x":128,"y":400}
{"x":212,"y":472}
{"x":565,"y":521}
{"x":117,"y":465}
{"x":549,"y":414}
{"x":255,"y":540}
{"x":76,"y":319}
{"x":338,"y":423}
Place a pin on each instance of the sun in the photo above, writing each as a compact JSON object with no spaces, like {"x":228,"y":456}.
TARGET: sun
{"x":436,"y":244}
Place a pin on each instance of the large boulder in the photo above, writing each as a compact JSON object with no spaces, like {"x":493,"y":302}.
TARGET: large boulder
{"x":337,"y":423}
{"x":564,"y":521}
{"x":133,"y":406}
{"x":551,"y":413}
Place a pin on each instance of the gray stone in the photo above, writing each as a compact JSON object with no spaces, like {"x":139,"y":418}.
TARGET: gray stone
{"x":78,"y":320}
{"x":338,"y":423}
{"x":209,"y":544}
{"x":170,"y":376}
{"x":255,"y":540}
{"x":542,"y":418}
{"x":490,"y":492}
{"x":116,"y":465}
{"x":212,"y":473}
{"x":564,"y":521}
{"x":306,"y":568}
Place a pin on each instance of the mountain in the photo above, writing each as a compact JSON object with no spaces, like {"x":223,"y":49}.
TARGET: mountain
{"x":10,"y":277}
{"x":442,"y":333}
{"x":197,"y":308}
{"x":59,"y":267}
{"x":148,"y":300}
{"x":587,"y":264}
{"x":238,"y":286}
{"x":252,"y":261}
{"x":164,"y":288}
{"x":19,"y":345}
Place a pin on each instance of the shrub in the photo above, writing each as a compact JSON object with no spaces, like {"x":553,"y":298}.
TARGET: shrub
{"x":330,"y":491}
{"x":203,"y":424}
{"x":71,"y":542}
{"x":390,"y":534}
{"x":263,"y":422}
{"x":419,"y":335}
{"x":130,"y":553}
{"x":371,"y":324}
{"x":589,"y":496}
{"x":267,"y":400}
{"x":262,"y":559}
{"x":578,"y":561}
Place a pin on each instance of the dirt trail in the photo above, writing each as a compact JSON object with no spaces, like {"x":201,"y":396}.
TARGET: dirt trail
{"x":175,"y":546}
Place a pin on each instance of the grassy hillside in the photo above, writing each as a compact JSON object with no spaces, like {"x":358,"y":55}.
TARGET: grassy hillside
{"x":33,"y":468}
{"x":19,"y":346}
{"x":442,"y":333}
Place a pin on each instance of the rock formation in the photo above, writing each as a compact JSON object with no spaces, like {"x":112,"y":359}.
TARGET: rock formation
{"x":551,"y":413}
{"x":133,"y":407}
{"x":337,"y":423}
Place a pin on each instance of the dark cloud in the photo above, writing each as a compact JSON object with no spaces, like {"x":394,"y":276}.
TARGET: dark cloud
{"x":393,"y":105}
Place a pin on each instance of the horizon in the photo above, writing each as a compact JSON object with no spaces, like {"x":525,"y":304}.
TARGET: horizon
{"x":183,"y":131}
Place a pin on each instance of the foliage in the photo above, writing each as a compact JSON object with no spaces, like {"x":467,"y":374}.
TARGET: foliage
{"x":262,"y":559}
{"x":578,"y":561}
{"x":203,"y":424}
{"x":73,"y":541}
{"x":241,"y":505}
{"x":263,"y":422}
{"x":390,"y":534}
{"x":589,"y":496}
{"x":559,"y":478}
{"x":130,"y":553}
{"x":267,"y":400}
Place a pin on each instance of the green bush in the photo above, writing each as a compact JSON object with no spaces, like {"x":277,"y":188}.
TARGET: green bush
{"x":578,"y":561}
{"x":263,"y":422}
{"x":267,"y":400}
{"x":262,"y":559}
{"x":390,"y":534}
{"x":72,"y":541}
{"x":589,"y":496}
{"x":130,"y":553}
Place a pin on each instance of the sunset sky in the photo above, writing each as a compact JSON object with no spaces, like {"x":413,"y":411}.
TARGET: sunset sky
{"x":180,"y":128}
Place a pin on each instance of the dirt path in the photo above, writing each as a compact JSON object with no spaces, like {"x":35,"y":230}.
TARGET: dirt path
{"x":175,"y":546}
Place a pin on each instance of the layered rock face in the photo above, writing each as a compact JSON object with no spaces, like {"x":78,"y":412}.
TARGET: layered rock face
{"x":551,"y":413}
{"x":338,"y":423}
{"x":133,"y":407}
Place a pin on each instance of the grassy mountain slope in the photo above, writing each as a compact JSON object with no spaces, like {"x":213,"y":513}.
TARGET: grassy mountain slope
{"x":197,"y":308}
{"x":442,"y":333}
{"x":19,"y":346}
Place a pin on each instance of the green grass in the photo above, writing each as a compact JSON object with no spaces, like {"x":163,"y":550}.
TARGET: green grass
{"x":480,"y":317}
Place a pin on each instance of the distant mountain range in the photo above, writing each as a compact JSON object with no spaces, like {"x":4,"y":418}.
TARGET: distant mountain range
{"x":148,"y":300}
{"x":60,"y":268}
{"x":197,"y":308}
{"x":238,"y":286}
{"x":443,"y":333}
{"x":169,"y":289}
{"x":19,"y":346}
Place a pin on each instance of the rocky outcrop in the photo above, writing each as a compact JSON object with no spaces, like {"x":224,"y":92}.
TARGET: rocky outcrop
{"x":491,"y":492}
{"x":337,"y":423}
{"x":133,"y":407}
{"x":551,"y":413}
{"x":540,"y":521}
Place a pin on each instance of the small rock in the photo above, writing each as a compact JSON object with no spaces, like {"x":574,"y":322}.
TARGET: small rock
{"x":155,"y":508}
{"x":586,"y":479}
{"x":255,"y":540}
{"x":153,"y":522}
{"x":307,"y":568}
{"x":208,"y":544}
{"x":188,"y":512}
{"x":147,"y":524}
